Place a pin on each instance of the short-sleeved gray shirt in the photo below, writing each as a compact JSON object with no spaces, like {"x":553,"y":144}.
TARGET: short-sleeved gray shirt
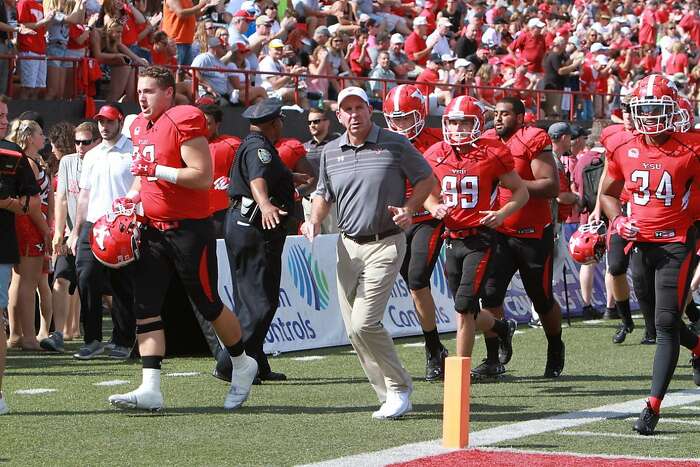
{"x":363,"y":181}
{"x":68,"y":183}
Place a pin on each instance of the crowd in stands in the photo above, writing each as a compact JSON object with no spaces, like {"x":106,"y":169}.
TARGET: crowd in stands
{"x":484,"y":48}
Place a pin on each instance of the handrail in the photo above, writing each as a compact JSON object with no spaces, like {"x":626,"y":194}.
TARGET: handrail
{"x":15,"y":58}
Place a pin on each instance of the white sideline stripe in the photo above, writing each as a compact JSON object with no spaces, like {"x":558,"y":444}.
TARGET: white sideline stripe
{"x":35,"y":391}
{"x":691,"y":407}
{"x":184,"y":373}
{"x":414,"y":344}
{"x":682,"y":421}
{"x":593,"y":321}
{"x":114,"y":382}
{"x":517,"y":332}
{"x":310,"y":358}
{"x":352,"y":352}
{"x":513,"y":431}
{"x":616,"y":435}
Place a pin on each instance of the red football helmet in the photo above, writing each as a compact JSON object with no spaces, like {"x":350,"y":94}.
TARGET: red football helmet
{"x":464,"y":109}
{"x":653,"y":105}
{"x":405,"y":100}
{"x":587,"y":244}
{"x":115,"y":238}
{"x":685,"y":118}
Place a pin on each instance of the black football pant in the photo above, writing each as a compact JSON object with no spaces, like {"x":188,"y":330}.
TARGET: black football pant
{"x":669,"y":267}
{"x":255,"y":259}
{"x":94,"y":280}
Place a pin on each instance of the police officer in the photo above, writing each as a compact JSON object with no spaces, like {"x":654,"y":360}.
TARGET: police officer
{"x":262,"y":194}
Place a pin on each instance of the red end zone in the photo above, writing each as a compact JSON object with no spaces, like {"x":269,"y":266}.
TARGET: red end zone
{"x":507,"y":458}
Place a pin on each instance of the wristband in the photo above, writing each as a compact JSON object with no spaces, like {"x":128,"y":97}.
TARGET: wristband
{"x":169,"y":174}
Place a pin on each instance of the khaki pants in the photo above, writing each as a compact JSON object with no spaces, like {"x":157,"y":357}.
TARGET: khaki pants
{"x":366,"y":275}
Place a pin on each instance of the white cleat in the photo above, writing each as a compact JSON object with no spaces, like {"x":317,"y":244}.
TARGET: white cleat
{"x":241,"y":382}
{"x":3,"y":405}
{"x":141,"y":399}
{"x":396,"y":406}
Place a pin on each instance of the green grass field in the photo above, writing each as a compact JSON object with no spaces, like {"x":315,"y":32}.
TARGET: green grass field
{"x":323,"y":411}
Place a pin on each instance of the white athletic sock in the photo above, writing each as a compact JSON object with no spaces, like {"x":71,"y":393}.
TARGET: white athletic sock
{"x":151,"y":379}
{"x":239,"y":362}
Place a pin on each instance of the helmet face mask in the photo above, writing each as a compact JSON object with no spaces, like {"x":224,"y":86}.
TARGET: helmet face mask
{"x":462,"y":121}
{"x":404,"y":110}
{"x":654,"y":105}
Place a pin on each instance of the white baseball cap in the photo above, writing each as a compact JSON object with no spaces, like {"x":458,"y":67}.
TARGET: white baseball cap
{"x":448,"y":57}
{"x":397,"y":38}
{"x":420,"y":21}
{"x":598,"y":47}
{"x":535,"y":23}
{"x":461,"y":62}
{"x":601,"y":59}
{"x":352,"y":91}
{"x":444,"y":22}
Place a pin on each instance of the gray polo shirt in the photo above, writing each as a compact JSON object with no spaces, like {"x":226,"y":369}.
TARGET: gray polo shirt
{"x":68,"y":184}
{"x":363,"y":181}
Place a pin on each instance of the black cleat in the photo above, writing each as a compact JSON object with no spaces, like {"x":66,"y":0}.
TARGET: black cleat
{"x":695,"y":363}
{"x":555,"y":363}
{"x":272,"y":376}
{"x":505,"y":344}
{"x":590,"y":313}
{"x":611,"y":313}
{"x":488,"y":370}
{"x":622,"y":331}
{"x":646,"y":423}
{"x":435,"y":364}
{"x":648,"y":340}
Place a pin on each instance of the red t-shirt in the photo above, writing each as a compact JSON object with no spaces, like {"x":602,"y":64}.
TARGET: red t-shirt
{"x":223,"y":150}
{"x":359,"y":68}
{"x":677,"y":63}
{"x":165,"y":201}
{"x":414,"y":43}
{"x":29,"y":11}
{"x":564,"y":211}
{"x":525,"y":145}
{"x":159,"y":58}
{"x":469,"y":181}
{"x":647,"y":28}
{"x":130,"y":33}
{"x":428,"y":76}
{"x":691,"y":25}
{"x":290,"y":150}
{"x":656,"y":179}
{"x":532,"y":49}
{"x":427,"y":138}
{"x":75,"y":31}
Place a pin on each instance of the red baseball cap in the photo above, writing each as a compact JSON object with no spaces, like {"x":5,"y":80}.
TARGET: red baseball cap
{"x":244,"y":14}
{"x":109,"y":112}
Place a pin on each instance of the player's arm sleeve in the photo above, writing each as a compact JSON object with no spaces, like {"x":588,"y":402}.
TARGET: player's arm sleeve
{"x":413,"y":164}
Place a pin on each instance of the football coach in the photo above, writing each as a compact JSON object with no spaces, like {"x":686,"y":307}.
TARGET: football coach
{"x":364,"y":172}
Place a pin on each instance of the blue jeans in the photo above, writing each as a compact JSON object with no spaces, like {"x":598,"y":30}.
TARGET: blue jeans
{"x":184,"y":54}
{"x":5,"y":276}
{"x":586,"y":113}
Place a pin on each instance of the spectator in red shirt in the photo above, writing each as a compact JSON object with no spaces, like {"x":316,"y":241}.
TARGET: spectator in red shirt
{"x":678,"y":61}
{"x":415,"y":47}
{"x":358,"y":55}
{"x":30,"y":14}
{"x":647,"y":28}
{"x":530,"y":46}
{"x":690,"y":23}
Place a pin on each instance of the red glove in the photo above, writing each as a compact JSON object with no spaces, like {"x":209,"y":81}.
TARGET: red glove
{"x":625,"y":228}
{"x":142,"y":168}
{"x":123,"y":204}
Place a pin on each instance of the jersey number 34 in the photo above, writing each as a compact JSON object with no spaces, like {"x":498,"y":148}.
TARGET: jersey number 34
{"x":642,"y":195}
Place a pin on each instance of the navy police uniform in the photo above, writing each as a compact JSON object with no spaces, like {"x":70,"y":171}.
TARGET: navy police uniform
{"x":255,"y":254}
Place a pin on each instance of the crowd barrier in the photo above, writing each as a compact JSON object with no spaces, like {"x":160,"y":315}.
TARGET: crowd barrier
{"x":309,"y":316}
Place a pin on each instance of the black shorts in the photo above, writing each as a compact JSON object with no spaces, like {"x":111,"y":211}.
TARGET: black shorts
{"x":618,"y":261}
{"x":188,"y":251}
{"x":423,"y":243}
{"x":467,"y":261}
{"x":218,"y":218}
{"x":532,"y":257}
{"x":65,"y":269}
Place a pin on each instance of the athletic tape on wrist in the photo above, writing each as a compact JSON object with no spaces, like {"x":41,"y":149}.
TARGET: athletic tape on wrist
{"x":169,"y":174}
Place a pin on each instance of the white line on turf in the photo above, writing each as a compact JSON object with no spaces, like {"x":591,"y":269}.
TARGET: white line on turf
{"x":183,"y":373}
{"x":692,"y":408}
{"x":586,"y":456}
{"x":681,"y":421}
{"x":35,"y":391}
{"x":114,"y":382}
{"x":310,"y":358}
{"x":593,"y":321}
{"x":414,"y":344}
{"x":513,"y":431}
{"x":603,"y":434}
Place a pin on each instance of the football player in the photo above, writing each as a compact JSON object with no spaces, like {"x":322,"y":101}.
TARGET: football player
{"x":469,"y":169}
{"x":173,"y":170}
{"x":526,"y":239}
{"x":656,"y":167}
{"x":405,"y":113}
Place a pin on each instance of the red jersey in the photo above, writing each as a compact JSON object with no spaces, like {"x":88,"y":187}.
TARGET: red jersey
{"x":29,"y":11}
{"x":165,"y":201}
{"x":290,"y":151}
{"x":130,"y":33}
{"x":223,"y":149}
{"x":469,"y":181}
{"x":427,"y":138}
{"x":657,"y":180}
{"x":75,"y":31}
{"x":525,"y":145}
{"x":414,"y":43}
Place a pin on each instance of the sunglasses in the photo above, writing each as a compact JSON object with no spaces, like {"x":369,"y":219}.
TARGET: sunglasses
{"x":317,"y":121}
{"x":83,"y":142}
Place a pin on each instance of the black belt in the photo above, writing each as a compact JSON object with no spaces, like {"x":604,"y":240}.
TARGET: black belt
{"x":362,"y":239}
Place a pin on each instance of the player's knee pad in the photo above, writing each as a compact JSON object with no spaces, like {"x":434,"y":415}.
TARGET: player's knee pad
{"x":149,"y":327}
{"x":419,"y":278}
{"x":667,"y":322}
{"x":466,"y":305}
